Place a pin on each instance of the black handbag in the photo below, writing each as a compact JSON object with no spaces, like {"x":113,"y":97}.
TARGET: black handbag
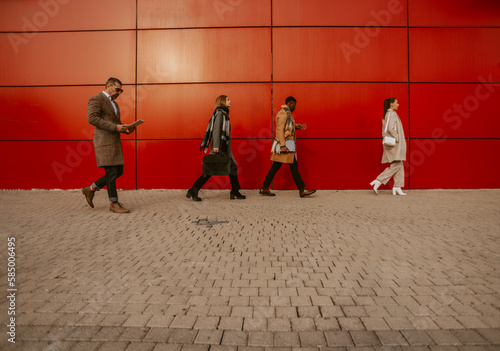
{"x":216,"y":164}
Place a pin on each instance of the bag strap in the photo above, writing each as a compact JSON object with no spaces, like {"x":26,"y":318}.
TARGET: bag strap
{"x":387,"y":122}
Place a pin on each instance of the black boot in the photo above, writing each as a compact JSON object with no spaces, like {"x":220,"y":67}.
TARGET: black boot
{"x":236,"y":194}
{"x":194,"y":194}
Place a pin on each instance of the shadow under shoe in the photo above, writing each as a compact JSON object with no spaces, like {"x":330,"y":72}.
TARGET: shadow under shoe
{"x":117,"y":207}
{"x":266,"y":192}
{"x":192,"y":193}
{"x":236,"y":194}
{"x":306,"y":192}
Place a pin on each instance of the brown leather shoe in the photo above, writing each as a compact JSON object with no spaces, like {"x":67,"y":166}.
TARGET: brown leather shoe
{"x":89,"y":195}
{"x":266,"y":192}
{"x":118,"y":208}
{"x":306,"y":192}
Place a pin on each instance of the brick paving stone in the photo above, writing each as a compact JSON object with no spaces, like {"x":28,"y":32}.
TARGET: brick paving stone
{"x":231,"y":323}
{"x":469,"y":337}
{"x":223,"y":348}
{"x":312,"y":338}
{"x":260,"y":338}
{"x":158,"y":334}
{"x":183,"y":322}
{"x":375,"y":323}
{"x":182,"y":336}
{"x":417,"y":337}
{"x":209,"y":337}
{"x":235,"y":338}
{"x":351,"y":323}
{"x":443,"y":337}
{"x":338,"y":338}
{"x":255,"y":324}
{"x":279,"y":324}
{"x":133,"y":334}
{"x":302,"y":324}
{"x":83,"y":333}
{"x":140,"y":346}
{"x":331,"y":311}
{"x":492,"y":335}
{"x":326,"y":323}
{"x":113,"y":346}
{"x":365,"y":338}
{"x":195,"y":348}
{"x":308,"y":312}
{"x":398,"y":323}
{"x":391,"y":338}
{"x":290,"y":339}
{"x":85,"y":346}
{"x":286,"y":312}
{"x":137,"y":320}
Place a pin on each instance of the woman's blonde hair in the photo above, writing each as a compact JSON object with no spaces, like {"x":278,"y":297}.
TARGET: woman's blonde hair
{"x":221,"y":100}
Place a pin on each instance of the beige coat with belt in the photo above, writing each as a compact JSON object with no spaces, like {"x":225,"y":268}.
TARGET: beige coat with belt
{"x":395,"y":130}
{"x":281,"y":119}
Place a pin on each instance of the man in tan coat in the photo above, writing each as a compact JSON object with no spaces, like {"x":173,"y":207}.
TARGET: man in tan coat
{"x":281,"y":153}
{"x":104,"y":114}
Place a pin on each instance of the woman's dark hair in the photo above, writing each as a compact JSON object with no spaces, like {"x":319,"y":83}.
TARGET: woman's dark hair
{"x":387,"y":104}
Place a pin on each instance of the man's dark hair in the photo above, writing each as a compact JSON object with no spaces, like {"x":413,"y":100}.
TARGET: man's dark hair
{"x":290,"y":99}
{"x":113,"y":81}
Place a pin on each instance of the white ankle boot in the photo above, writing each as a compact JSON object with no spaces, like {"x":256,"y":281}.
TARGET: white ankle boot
{"x":375,"y":185}
{"x":397,"y":191}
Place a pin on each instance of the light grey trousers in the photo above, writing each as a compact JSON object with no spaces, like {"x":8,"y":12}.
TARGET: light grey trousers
{"x":396,"y":170}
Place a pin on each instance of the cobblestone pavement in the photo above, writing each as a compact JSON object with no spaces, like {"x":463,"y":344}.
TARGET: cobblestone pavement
{"x":341,"y":270}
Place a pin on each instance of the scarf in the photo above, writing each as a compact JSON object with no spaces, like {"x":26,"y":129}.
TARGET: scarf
{"x":289,"y":126}
{"x":225,"y":130}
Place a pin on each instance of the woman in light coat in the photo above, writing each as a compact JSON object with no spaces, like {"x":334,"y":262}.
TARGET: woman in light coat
{"x":395,"y":155}
{"x":218,"y":137}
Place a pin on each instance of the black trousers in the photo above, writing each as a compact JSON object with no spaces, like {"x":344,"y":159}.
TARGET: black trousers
{"x":233,"y":179}
{"x":109,"y":181}
{"x":294,"y":167}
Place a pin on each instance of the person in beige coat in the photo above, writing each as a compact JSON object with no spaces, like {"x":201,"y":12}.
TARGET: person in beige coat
{"x":395,"y":155}
{"x":280,"y":153}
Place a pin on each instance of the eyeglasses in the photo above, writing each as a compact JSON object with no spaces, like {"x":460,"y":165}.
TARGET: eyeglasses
{"x":118,"y":90}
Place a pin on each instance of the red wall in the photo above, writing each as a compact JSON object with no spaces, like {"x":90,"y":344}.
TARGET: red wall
{"x":340,"y":59}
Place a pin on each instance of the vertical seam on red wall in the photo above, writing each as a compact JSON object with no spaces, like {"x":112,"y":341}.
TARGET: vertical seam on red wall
{"x":136,"y":68}
{"x":409,"y":97}
{"x":272,"y":81}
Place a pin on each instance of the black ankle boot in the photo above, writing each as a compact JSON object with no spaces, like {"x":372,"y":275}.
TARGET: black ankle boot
{"x":236,"y":194}
{"x":194,"y":194}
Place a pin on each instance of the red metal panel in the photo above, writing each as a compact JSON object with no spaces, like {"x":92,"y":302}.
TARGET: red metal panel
{"x":339,"y":13}
{"x":454,"y":13}
{"x":340,"y":54}
{"x":196,"y":13}
{"x":204,"y":55}
{"x":454,"y":111}
{"x":55,"y":113}
{"x":453,"y":163}
{"x":335,"y":164}
{"x":57,"y":165}
{"x":342,"y":110}
{"x":181,"y":164}
{"x":454,"y":54}
{"x":182,"y":111}
{"x":54,"y":15}
{"x":68,"y":58}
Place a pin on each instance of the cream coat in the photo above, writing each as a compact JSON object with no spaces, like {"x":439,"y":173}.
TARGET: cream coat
{"x":395,"y":130}
{"x":281,"y":119}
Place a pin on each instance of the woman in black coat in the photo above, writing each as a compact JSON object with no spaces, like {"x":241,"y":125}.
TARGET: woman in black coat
{"x":218,"y":137}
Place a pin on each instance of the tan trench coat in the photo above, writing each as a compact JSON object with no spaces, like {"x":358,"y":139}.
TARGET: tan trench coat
{"x":395,"y":130}
{"x":281,"y":119}
{"x":107,"y":141}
